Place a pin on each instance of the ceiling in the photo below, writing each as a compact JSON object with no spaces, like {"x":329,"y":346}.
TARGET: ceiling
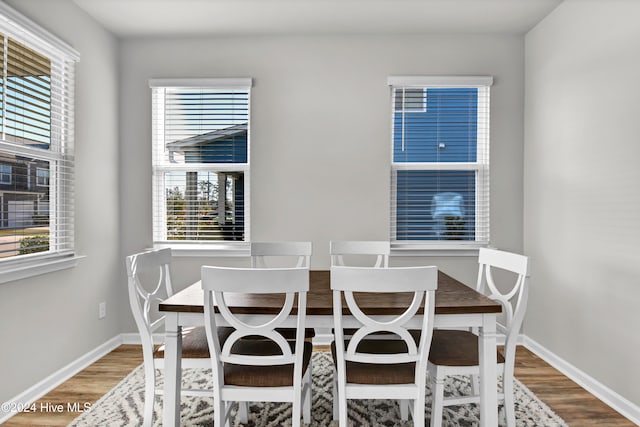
{"x":148,"y":18}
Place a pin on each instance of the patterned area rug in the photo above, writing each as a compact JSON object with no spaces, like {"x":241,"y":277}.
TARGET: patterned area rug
{"x":123,"y":405}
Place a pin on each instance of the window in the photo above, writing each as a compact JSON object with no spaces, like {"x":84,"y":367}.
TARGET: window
{"x":5,"y":174}
{"x":36,"y":148}
{"x":440,"y":162}
{"x":42,"y":177}
{"x":200,"y":162}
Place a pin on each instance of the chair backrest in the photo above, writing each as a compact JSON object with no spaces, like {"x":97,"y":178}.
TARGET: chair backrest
{"x":514,"y":300}
{"x":219,"y":282}
{"x":260,"y":251}
{"x":422,"y":281}
{"x":149,"y":279}
{"x":343,"y":248}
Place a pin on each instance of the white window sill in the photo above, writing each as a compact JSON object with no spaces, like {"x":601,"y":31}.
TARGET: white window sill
{"x":23,"y":269}
{"x":223,"y":249}
{"x":469,"y":249}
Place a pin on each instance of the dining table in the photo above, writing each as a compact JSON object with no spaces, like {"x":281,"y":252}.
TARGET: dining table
{"x":456,"y":306}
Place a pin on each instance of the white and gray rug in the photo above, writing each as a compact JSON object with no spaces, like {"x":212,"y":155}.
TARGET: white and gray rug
{"x":123,"y":405}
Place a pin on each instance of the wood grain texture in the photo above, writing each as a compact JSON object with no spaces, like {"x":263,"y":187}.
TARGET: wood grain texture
{"x":87,"y":386}
{"x":567,"y":399}
{"x":452,"y":297}
{"x":575,"y":405}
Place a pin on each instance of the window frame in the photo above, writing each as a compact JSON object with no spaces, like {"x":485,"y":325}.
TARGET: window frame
{"x":59,"y":154}
{"x":481,"y":167}
{"x":47,"y":177}
{"x":197,"y":247}
{"x":4,"y":173}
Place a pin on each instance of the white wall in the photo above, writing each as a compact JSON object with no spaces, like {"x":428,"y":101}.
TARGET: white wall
{"x":320,"y":130}
{"x":51,"y":320}
{"x":582,"y":196}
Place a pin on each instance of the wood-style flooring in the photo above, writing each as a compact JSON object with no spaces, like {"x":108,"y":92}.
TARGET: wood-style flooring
{"x":571,"y":402}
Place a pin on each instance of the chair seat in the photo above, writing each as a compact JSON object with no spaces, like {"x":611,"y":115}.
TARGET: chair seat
{"x":349,"y":332}
{"x":455,"y":348}
{"x":377,"y":373}
{"x":290,"y":333}
{"x":263,"y":376}
{"x":195,"y":346}
{"x":194,"y":343}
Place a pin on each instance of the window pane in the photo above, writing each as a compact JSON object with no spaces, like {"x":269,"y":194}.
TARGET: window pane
{"x":24,"y":207}
{"x":28,"y":97}
{"x":200,"y":157}
{"x":410,"y":100}
{"x":206,"y":125}
{"x":42,"y":177}
{"x":446,"y":131}
{"x":204,"y":205}
{"x":435,"y":205}
{"x":36,"y":144}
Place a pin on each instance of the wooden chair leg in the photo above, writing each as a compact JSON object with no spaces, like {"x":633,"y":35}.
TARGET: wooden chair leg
{"x":418,"y":411}
{"x":342,"y":405}
{"x":475,"y":385}
{"x":297,"y":410}
{"x":336,"y":412}
{"x":149,"y":396}
{"x":243,"y":412}
{"x":437,"y":402}
{"x":509,"y":404}
{"x":219,"y":413}
{"x":306,"y":403}
{"x":404,"y":409}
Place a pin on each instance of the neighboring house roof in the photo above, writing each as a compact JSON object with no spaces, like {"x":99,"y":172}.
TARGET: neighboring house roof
{"x":209,"y":137}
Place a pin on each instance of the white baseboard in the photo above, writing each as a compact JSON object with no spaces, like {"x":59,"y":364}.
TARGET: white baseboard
{"x":134,"y":338}
{"x":38,"y":390}
{"x":622,"y":405}
{"x":130,"y":338}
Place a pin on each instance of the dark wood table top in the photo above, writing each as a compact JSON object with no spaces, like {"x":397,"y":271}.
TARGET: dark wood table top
{"x":452,"y":297}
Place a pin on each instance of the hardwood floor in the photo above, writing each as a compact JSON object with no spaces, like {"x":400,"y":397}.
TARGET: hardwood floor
{"x":567,"y":399}
{"x":576,"y":406}
{"x":85,"y":387}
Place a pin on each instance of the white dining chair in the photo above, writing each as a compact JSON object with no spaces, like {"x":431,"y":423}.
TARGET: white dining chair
{"x":271,"y":368}
{"x":277,"y":252}
{"x":455,"y":352}
{"x":149,"y":282}
{"x":360,"y":253}
{"x":352,"y":252}
{"x":283,"y":254}
{"x":383,"y":368}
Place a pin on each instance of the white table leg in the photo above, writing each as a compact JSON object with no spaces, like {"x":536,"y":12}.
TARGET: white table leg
{"x":172,"y":370}
{"x":488,"y":372}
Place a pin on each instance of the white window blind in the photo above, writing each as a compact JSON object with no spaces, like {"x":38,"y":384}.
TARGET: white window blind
{"x":200,"y":161}
{"x":440,"y":161}
{"x":36,"y":143}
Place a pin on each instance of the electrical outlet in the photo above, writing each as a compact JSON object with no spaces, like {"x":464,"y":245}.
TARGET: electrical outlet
{"x":102,"y":310}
